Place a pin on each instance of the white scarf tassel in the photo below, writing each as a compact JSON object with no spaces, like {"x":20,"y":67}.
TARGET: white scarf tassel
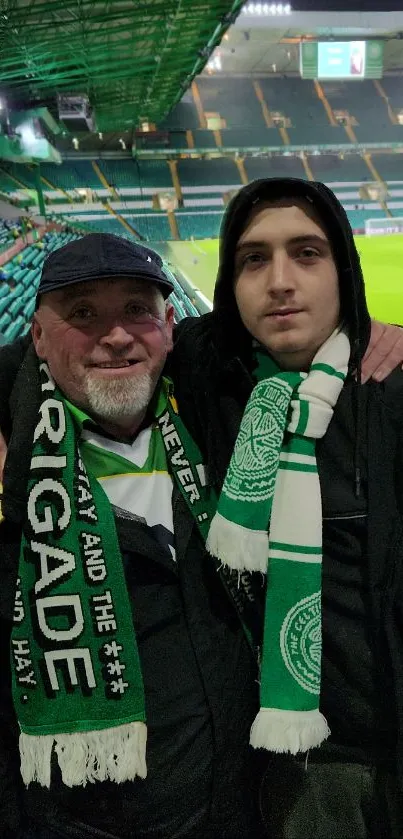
{"x":117,"y":754}
{"x":288,"y":731}
{"x":246,"y":550}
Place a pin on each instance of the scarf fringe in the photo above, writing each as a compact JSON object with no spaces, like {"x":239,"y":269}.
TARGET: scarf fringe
{"x":238,"y":547}
{"x":116,"y":754}
{"x":288,"y":731}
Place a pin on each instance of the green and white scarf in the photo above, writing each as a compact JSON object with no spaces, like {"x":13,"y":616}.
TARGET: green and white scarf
{"x":269,"y":519}
{"x":77,"y":682}
{"x":76,"y":676}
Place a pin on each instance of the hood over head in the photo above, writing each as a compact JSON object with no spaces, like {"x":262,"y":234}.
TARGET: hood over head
{"x":351,"y":282}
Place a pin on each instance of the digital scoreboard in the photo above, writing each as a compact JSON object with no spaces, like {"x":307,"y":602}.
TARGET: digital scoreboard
{"x":341,"y":59}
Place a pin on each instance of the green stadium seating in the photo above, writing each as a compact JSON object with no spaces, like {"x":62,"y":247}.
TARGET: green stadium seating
{"x":198,"y":225}
{"x":392,"y":86}
{"x":389,"y":166}
{"x":204,"y":139}
{"x":274,"y":167}
{"x":330,"y":169}
{"x":250,"y":137}
{"x":297,"y":100}
{"x":235,"y":101}
{"x":120,"y":173}
{"x":362,"y":101}
{"x":5,"y":321}
{"x":208,"y":172}
{"x":183,"y":115}
{"x":154,"y":173}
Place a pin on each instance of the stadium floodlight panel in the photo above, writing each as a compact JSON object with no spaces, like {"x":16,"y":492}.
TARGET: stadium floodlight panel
{"x":266,"y":9}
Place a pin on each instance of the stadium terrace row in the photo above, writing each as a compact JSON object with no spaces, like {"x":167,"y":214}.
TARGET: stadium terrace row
{"x":205,"y":186}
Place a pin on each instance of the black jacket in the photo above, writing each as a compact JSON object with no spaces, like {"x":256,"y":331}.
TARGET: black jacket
{"x":362,"y":667}
{"x":359,"y":463}
{"x":200,"y":686}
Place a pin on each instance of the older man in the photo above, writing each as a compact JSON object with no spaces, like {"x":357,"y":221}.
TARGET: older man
{"x":309,"y":466}
{"x":133,"y":677}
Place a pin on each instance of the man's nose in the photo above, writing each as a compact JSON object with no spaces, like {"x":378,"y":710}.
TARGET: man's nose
{"x":117,"y":337}
{"x":281,"y":273}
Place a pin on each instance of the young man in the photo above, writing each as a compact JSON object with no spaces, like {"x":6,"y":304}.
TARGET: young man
{"x":133,"y":683}
{"x":307,"y":465}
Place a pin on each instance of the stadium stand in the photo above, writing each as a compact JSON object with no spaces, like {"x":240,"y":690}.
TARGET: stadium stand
{"x":199,"y":225}
{"x":331,"y":169}
{"x":208,"y":173}
{"x":392,"y":87}
{"x":154,"y":174}
{"x":120,"y":173}
{"x":362,"y":102}
{"x":9,"y":231}
{"x":301,"y":105}
{"x":19,"y":278}
{"x":122,"y":189}
{"x":271,"y":167}
{"x":184,"y":114}
{"x":204,"y":185}
{"x":390,"y":167}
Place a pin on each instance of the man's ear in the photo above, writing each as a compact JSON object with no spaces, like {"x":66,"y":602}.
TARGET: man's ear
{"x":169,"y":320}
{"x":38,"y":337}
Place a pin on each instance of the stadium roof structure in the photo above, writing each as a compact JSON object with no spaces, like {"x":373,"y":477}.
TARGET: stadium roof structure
{"x":133,"y":58}
{"x":258,"y":45}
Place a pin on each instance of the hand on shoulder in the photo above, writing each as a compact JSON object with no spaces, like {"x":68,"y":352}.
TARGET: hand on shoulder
{"x":384,"y":352}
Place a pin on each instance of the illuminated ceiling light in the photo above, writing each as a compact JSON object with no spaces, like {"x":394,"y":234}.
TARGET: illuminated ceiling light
{"x":100,"y":135}
{"x":122,"y":142}
{"x":27,"y":134}
{"x":75,"y":143}
{"x":214,"y":63}
{"x":266,"y":9}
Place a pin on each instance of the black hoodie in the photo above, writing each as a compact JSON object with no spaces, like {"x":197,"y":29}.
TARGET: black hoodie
{"x":352,"y":293}
{"x":361,"y":515}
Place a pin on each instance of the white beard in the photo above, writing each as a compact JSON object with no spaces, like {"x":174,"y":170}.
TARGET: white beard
{"x":122,"y":398}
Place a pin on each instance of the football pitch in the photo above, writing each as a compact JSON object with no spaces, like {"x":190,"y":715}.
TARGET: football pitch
{"x":381,"y":259}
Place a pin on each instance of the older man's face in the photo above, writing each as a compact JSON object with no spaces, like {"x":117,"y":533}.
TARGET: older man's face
{"x":106,"y":343}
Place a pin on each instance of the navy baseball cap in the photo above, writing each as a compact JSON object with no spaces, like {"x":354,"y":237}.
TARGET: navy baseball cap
{"x":101,"y":256}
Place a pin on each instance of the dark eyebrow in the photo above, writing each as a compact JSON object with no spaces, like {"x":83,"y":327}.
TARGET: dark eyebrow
{"x":306,"y":239}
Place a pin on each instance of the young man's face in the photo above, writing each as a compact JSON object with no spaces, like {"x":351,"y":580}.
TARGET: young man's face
{"x":286,"y":283}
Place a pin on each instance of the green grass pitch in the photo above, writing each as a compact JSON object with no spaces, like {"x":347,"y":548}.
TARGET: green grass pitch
{"x":381,"y":259}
